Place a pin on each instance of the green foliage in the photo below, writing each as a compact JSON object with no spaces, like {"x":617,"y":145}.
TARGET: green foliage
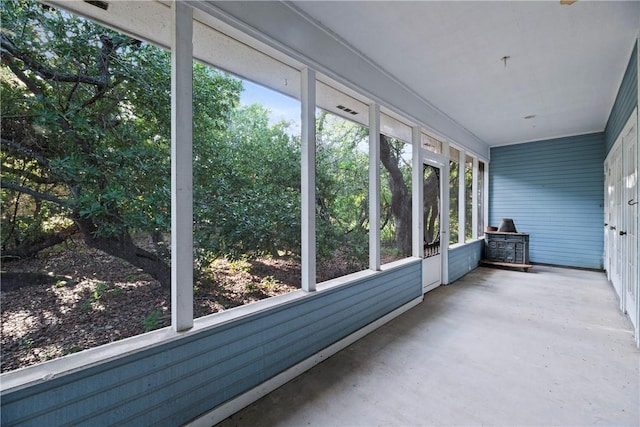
{"x":152,"y":321}
{"x":431,"y":187}
{"x":246,"y":188}
{"x":269,"y":282}
{"x":251,"y":288}
{"x":86,"y":137}
{"x":75,"y":348}
{"x":342,"y":181}
{"x":99,"y":291}
{"x":239,"y":265}
{"x":86,"y":306}
{"x":454,"y":197}
{"x":468,"y":199}
{"x":102,"y":145}
{"x":395,"y":198}
{"x":25,"y":219}
{"x":50,"y":352}
{"x":26,"y":342}
{"x":96,"y":137}
{"x":453,"y":201}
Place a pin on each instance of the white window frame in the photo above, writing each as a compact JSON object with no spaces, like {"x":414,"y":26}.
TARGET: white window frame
{"x":462,"y":211}
{"x":374,"y":187}
{"x":462,"y":158}
{"x":181,"y":43}
{"x":474,"y":200}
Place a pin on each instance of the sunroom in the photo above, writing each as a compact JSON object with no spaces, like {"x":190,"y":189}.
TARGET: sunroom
{"x":463,"y":114}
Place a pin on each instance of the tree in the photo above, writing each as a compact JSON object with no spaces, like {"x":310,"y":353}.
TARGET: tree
{"x":247,"y":188}
{"x":400,"y":203}
{"x":342,"y":205}
{"x":85,"y":129}
{"x":431,"y":208}
{"x":454,"y":185}
{"x":86,"y":147}
{"x":342,"y":195}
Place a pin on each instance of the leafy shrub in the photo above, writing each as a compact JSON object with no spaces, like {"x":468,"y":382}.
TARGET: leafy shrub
{"x":152,"y":321}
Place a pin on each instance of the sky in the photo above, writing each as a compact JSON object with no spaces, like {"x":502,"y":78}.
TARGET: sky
{"x":281,"y":106}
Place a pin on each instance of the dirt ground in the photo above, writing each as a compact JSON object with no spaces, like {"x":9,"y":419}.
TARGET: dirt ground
{"x":71,"y":297}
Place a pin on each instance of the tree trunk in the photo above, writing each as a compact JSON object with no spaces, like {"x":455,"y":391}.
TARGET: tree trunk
{"x":30,"y":249}
{"x":431,"y":191}
{"x":400,"y":197}
{"x":122,"y":246}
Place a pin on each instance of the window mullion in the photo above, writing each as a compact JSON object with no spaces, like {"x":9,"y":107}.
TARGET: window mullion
{"x":461,"y":195}
{"x":374,"y":187}
{"x":445,"y":215}
{"x":417,"y":193}
{"x":485,"y":193}
{"x":308,"y":184}
{"x":474,"y":200}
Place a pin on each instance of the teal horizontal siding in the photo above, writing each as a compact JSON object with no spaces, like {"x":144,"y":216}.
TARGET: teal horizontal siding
{"x":463,"y":259}
{"x":553,"y":190}
{"x":626,"y":101}
{"x":174,"y":382}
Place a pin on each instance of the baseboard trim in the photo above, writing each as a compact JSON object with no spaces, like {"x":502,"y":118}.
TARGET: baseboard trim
{"x":234,"y":405}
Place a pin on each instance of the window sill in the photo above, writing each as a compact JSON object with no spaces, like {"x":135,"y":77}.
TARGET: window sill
{"x":45,"y":371}
{"x":461,"y":245}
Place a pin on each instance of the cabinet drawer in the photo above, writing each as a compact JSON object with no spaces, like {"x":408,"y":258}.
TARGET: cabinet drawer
{"x":509,"y":252}
{"x":519,"y":257}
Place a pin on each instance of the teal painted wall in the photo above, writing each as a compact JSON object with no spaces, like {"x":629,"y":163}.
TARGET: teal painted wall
{"x":463,"y":259}
{"x":553,"y":190}
{"x":626,"y":101}
{"x":174,"y":382}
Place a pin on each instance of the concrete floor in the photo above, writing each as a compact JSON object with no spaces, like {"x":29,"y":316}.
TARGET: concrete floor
{"x":498,"y":347}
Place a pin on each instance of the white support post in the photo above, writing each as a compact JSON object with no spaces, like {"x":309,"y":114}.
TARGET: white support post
{"x":444,"y":217}
{"x":474,"y":200}
{"x":637,"y":197}
{"x":308,"y":167}
{"x":181,"y":167}
{"x":461,"y":196}
{"x":374,"y":187}
{"x":417,"y":199}
{"x":485,"y":194}
{"x":445,"y":212}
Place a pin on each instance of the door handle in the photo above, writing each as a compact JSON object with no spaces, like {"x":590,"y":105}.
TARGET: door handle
{"x":612,"y":227}
{"x":623,"y":233}
{"x":631,"y":202}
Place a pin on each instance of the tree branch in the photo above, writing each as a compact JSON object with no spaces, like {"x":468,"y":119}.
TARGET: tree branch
{"x":28,"y":175}
{"x":8,"y":48}
{"x":33,"y":87}
{"x":70,"y":95}
{"x":26,"y":152}
{"x":36,"y":194}
{"x":30,"y":248}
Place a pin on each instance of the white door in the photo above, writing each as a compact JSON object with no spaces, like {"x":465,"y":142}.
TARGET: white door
{"x":629,"y":231}
{"x":431,"y":217}
{"x":613,"y":220}
{"x":609,"y":248}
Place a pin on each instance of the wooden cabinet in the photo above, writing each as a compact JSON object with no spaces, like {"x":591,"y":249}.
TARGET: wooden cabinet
{"x":507,"y":249}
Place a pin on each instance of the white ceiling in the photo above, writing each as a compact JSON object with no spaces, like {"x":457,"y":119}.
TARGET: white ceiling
{"x":566,"y":62}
